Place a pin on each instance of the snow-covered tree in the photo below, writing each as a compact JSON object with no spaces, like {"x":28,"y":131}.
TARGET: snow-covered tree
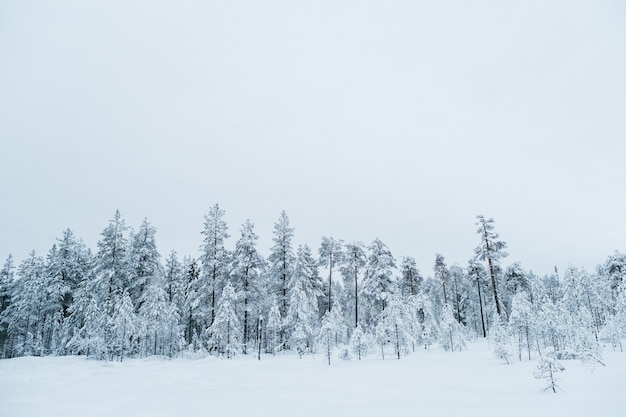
{"x":6,"y":288}
{"x":144,"y":262}
{"x":225,"y":330}
{"x":451,"y":332}
{"x":379,"y":282}
{"x":442,"y":275}
{"x":111,"y":260}
{"x":173,"y":277}
{"x":274,"y":327}
{"x":499,"y":339}
{"x":26,"y":315}
{"x":70,"y":266}
{"x":359,"y":342}
{"x":331,"y":255}
{"x":304,"y":290}
{"x":354,"y":261}
{"x":281,"y":265}
{"x":491,"y":250}
{"x":546,"y":369}
{"x":514,"y":280}
{"x":246,"y":274}
{"x":214,"y":257}
{"x":332,"y":325}
{"x":123,"y":326}
{"x":159,"y":320}
{"x":398,"y":325}
{"x":189,"y":307}
{"x":522,"y":322}
{"x":411,"y":278}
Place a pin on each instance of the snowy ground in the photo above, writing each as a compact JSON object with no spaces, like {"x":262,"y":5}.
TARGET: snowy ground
{"x":465,"y":383}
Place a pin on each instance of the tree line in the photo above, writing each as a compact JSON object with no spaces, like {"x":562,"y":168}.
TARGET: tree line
{"x":347,"y":299}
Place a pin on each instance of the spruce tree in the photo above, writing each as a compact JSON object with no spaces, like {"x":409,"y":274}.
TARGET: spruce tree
{"x":379,"y":282}
{"x":225,"y":330}
{"x":144,"y":262}
{"x":354,"y":261}
{"x":331,"y":254}
{"x":214,"y":257}
{"x":246,"y":274}
{"x":281,"y":266}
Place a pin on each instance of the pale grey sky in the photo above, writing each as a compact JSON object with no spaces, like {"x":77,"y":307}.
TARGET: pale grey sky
{"x":401,"y":120}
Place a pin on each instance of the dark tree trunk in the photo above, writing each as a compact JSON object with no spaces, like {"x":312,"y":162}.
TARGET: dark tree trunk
{"x":480,"y":300}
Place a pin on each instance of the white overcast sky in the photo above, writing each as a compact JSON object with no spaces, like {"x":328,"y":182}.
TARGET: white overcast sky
{"x":400,"y":120}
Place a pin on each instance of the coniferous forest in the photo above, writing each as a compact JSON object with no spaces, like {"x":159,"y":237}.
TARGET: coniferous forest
{"x":338,"y":299}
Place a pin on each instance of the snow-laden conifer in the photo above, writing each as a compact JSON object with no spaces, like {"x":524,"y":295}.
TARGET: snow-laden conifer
{"x":225,"y":330}
{"x":215,"y":260}
{"x":246,"y":275}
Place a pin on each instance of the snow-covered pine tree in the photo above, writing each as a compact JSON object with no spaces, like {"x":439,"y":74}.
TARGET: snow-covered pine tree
{"x":442,"y":274}
{"x":54,"y":311}
{"x":88,"y":322}
{"x":491,"y":250}
{"x":123,"y":325}
{"x":6,"y":288}
{"x":214,"y":257}
{"x":71,"y":266}
{"x":457,"y":281}
{"x":332,"y":325}
{"x":546,"y":369}
{"x":354,"y":262}
{"x":274,"y":327}
{"x":476,"y":272}
{"x":300,"y":319}
{"x":245,"y":275}
{"x":514,"y":280}
{"x":26,"y":313}
{"x":379,"y":282}
{"x":359,"y":342}
{"x":144,"y":262}
{"x":225,"y":330}
{"x":411,"y":278}
{"x":614,"y":268}
{"x":174,"y":281}
{"x":451,"y":332}
{"x":306,"y":270}
{"x":190,"y":309}
{"x":304,"y":290}
{"x":499,"y":338}
{"x":522,"y":322}
{"x":159,"y":321}
{"x":111,"y":268}
{"x":281,"y":265}
{"x":398,"y":321}
{"x":331,"y":255}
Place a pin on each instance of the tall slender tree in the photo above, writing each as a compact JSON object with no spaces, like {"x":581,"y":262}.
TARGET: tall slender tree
{"x":491,"y":250}
{"x":354,"y":261}
{"x":214,"y":256}
{"x":246,"y":273}
{"x":331,"y":254}
{"x":281,"y":265}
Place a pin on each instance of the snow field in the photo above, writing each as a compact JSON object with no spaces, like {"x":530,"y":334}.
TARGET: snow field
{"x":439,"y":383}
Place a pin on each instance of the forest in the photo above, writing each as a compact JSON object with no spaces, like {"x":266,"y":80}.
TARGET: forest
{"x":346,"y":300}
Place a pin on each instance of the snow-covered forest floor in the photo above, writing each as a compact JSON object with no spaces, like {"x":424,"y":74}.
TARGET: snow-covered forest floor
{"x":471,"y":382}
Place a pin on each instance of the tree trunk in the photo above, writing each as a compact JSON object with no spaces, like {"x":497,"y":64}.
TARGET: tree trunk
{"x":356,"y":299}
{"x":493,"y":282}
{"x":480,"y":300}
